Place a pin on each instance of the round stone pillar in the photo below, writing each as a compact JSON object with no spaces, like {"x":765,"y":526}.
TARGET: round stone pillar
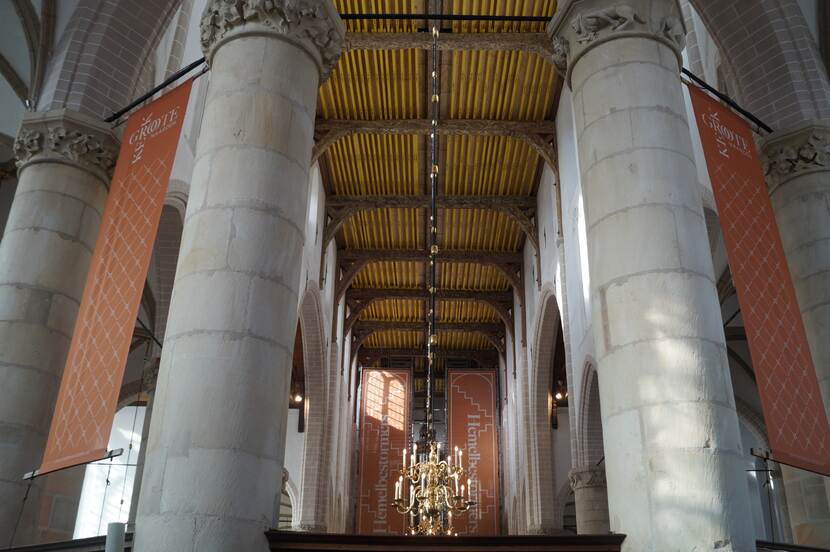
{"x":64,"y":164}
{"x":215,"y":452}
{"x":672,"y":445}
{"x":798,"y":175}
{"x":591,"y":498}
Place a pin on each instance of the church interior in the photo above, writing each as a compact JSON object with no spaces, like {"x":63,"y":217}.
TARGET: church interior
{"x":432,"y":269}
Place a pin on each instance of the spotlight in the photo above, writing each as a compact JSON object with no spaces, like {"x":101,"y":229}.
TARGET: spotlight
{"x":558,"y":396}
{"x":298,"y":398}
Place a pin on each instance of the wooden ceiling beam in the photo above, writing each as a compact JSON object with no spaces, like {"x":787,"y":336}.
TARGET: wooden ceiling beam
{"x":485,"y":357}
{"x":359,"y":299}
{"x":520,"y":209}
{"x":531,"y":43}
{"x":493,"y":332}
{"x":531,"y":132}
{"x":421,"y":255}
{"x":509,"y":264}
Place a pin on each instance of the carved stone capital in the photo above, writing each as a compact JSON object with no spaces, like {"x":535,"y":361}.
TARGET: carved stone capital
{"x":591,"y":476}
{"x":796,"y":152}
{"x":313,"y":25}
{"x":63,"y":136}
{"x":580,"y":25}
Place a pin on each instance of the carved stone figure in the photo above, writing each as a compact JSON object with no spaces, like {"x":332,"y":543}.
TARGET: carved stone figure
{"x":802,"y":152}
{"x":672,"y":28}
{"x":618,"y":17}
{"x":561,"y":49}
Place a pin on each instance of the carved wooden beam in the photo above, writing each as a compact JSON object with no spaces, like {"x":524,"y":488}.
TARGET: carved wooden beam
{"x":521,"y":209}
{"x":354,"y":260}
{"x":359,"y":299}
{"x":486,"y":357}
{"x":494,"y":332}
{"x":531,"y":43}
{"x":532,"y":132}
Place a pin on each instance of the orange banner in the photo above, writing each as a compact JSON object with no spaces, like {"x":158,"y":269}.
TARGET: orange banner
{"x":384,"y":433}
{"x":473,"y":428}
{"x":101,"y":342}
{"x":795,"y":418}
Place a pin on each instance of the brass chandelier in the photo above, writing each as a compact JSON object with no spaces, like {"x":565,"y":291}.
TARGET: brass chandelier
{"x":429,"y":490}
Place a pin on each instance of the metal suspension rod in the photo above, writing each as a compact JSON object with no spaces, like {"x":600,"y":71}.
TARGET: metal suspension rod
{"x":726,"y":99}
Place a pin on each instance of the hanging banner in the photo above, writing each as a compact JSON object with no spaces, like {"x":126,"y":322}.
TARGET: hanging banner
{"x":384,"y":434}
{"x":101,"y":341}
{"x":473,"y":428}
{"x":795,"y":418}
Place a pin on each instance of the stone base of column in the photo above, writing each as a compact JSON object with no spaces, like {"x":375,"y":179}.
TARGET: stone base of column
{"x":591,"y":498}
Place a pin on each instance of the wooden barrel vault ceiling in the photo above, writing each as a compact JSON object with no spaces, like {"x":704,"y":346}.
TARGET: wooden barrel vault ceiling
{"x":498,"y":98}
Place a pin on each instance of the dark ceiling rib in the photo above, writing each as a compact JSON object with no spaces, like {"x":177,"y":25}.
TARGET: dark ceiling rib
{"x":520,"y":209}
{"x":493,"y":332}
{"x":44,"y":50}
{"x":484,"y":358}
{"x":354,"y":260}
{"x":14,"y":80}
{"x":31,"y":30}
{"x":359,"y":299}
{"x":531,"y":132}
{"x":531,"y":43}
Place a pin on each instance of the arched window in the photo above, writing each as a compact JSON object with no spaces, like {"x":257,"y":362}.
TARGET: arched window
{"x":108,"y":485}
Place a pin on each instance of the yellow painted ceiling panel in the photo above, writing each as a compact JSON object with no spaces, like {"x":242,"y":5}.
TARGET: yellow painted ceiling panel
{"x":374,"y":164}
{"x":499,"y":7}
{"x":471,"y":276}
{"x":386,"y":229}
{"x":488,"y":165}
{"x":391,"y":274}
{"x":478,"y":229}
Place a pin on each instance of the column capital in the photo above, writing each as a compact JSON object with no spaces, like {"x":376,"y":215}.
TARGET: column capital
{"x":580,"y":25}
{"x":313,"y":25}
{"x":587,"y":476}
{"x":794,"y":152}
{"x":68,"y":137}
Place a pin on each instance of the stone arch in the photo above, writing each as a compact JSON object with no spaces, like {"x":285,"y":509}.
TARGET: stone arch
{"x":293,"y":493}
{"x":103,"y":35}
{"x":314,"y":484}
{"x":166,"y":257}
{"x":541,"y":489}
{"x":800,"y":91}
{"x":590,"y":441}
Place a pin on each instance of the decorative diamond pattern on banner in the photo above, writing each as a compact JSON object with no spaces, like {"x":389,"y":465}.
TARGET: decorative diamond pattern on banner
{"x":109,"y":319}
{"x":384,"y":433}
{"x":473,"y":428}
{"x":103,"y":332}
{"x":793,"y":409}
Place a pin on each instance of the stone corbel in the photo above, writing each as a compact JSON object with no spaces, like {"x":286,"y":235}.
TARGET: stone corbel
{"x":796,"y":152}
{"x":582,"y":25}
{"x":67,"y":137}
{"x":591,"y":476}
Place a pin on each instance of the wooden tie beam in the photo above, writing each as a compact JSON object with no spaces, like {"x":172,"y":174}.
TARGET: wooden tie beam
{"x":359,"y":299}
{"x":362,"y":329}
{"x":354,"y":260}
{"x":485,"y":358}
{"x":534,"y":133}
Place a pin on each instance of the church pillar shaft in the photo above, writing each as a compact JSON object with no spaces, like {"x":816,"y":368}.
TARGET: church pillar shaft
{"x":798,"y":174}
{"x":591,"y":499}
{"x":216,"y":445}
{"x":673,"y":452}
{"x":64,"y":161}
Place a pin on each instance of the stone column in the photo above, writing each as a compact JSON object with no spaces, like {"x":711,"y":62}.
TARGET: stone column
{"x":64,"y":164}
{"x":148,"y":384}
{"x":591,"y":498}
{"x":215,"y":452}
{"x":673,"y":451}
{"x":798,"y":174}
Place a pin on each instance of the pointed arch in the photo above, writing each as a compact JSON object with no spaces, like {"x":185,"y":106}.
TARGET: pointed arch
{"x":543,"y":493}
{"x":314,"y":483}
